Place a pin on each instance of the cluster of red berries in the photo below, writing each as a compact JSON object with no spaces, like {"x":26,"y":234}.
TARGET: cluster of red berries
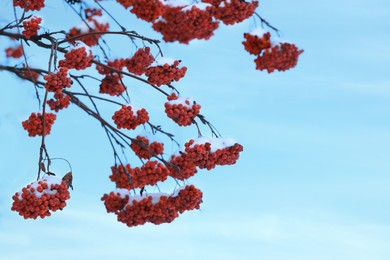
{"x":147,"y":10}
{"x":130,"y":178}
{"x":161,"y":72}
{"x":207,"y":153}
{"x":55,"y":82}
{"x":60,"y":101}
{"x":30,"y":74}
{"x":14,"y":52}
{"x":181,"y":110}
{"x":31,"y":27}
{"x":140,"y":61}
{"x":34,"y":124}
{"x":255,"y":44}
{"x":185,"y":24}
{"x":155,"y":208}
{"x":203,"y":153}
{"x":149,"y":174}
{"x":39,"y":198}
{"x":112,"y":85}
{"x":145,"y":149}
{"x":30,"y":5}
{"x":117,"y":64}
{"x":78,"y":58}
{"x":93,"y":23}
{"x":128,"y":118}
{"x":198,"y":153}
{"x":232,"y":11}
{"x":271,"y":55}
{"x":121,"y":176}
{"x":280,"y":57}
{"x":180,"y":167}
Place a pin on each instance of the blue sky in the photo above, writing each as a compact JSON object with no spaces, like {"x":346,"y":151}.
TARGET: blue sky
{"x":312,"y":182}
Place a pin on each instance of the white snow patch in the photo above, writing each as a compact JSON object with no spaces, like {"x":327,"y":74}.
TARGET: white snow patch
{"x":278,"y":41}
{"x":162,"y":61}
{"x":80,"y":44}
{"x":176,"y":3}
{"x":259,"y":32}
{"x":49,"y":180}
{"x":182,"y":100}
{"x":151,"y":137}
{"x":216,"y":143}
{"x":85,"y":26}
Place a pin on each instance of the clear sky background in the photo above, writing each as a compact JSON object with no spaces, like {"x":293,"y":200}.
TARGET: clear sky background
{"x":312,"y":183}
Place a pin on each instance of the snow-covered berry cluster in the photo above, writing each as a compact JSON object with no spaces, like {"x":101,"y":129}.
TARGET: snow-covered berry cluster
{"x":164,"y":71}
{"x":257,"y":41}
{"x":145,"y":149}
{"x":95,"y":22}
{"x":31,"y":26}
{"x":271,"y":54}
{"x":40,"y":198}
{"x":204,"y":153}
{"x":34,"y":124}
{"x":79,"y":57}
{"x":232,"y":11}
{"x":140,"y":61}
{"x":14,"y":52}
{"x":128,"y":117}
{"x":156,"y":208}
{"x":55,"y":82}
{"x":185,"y":23}
{"x":181,"y":110}
{"x":30,"y":5}
{"x":147,"y":10}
